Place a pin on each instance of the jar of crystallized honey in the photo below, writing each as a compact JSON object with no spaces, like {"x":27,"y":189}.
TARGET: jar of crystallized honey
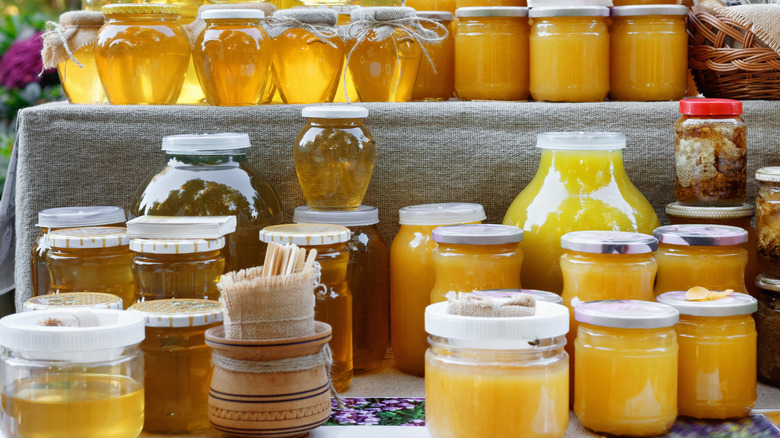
{"x":94,"y":259}
{"x":73,"y":300}
{"x":440,"y":84}
{"x":767,"y":222}
{"x":711,"y":256}
{"x":717,"y":367}
{"x":710,"y":153}
{"x":178,"y":363}
{"x":569,"y":52}
{"x":367,"y":279}
{"x":768,"y":326}
{"x":469,"y":258}
{"x":333,"y":298}
{"x":648,"y":53}
{"x":625,"y":365}
{"x":497,"y":376}
{"x":491,"y":53}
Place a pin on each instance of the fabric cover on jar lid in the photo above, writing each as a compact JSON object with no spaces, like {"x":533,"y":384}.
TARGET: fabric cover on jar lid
{"x":732,"y":305}
{"x":645,"y":10}
{"x":539,"y":295}
{"x":584,"y":141}
{"x":72,"y":300}
{"x":478,"y":234}
{"x":441,"y":214}
{"x":700,"y":235}
{"x":363,"y":216}
{"x":177,"y":313}
{"x":701,"y":106}
{"x":192,"y":144}
{"x":69,"y":217}
{"x":222,"y":14}
{"x":306,"y":234}
{"x":631,"y":314}
{"x":677,"y":209}
{"x":768,"y":174}
{"x":609,"y":242}
{"x":491,"y":11}
{"x":335,"y":112}
{"x":87,"y":237}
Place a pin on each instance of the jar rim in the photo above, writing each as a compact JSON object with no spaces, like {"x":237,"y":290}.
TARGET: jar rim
{"x":69,"y":217}
{"x":447,"y":213}
{"x":590,"y":141}
{"x":644,"y":10}
{"x":226,"y":14}
{"x":363,"y":216}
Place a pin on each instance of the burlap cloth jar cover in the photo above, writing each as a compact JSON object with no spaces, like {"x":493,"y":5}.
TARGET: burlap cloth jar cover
{"x":195,"y":28}
{"x":75,"y":30}
{"x":761,"y":19}
{"x":321,"y":23}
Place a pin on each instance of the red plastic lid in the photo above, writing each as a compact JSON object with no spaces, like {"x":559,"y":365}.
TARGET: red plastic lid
{"x":710,"y":107}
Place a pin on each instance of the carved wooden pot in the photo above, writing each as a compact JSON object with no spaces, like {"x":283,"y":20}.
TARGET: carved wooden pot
{"x":268,"y":404}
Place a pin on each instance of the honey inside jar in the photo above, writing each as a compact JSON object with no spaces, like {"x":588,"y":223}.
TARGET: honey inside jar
{"x":438,"y":85}
{"x":81,"y":83}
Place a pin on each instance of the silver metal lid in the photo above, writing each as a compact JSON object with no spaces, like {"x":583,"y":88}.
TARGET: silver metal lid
{"x":448,"y":213}
{"x":630,"y":314}
{"x":363,"y":216}
{"x":677,"y":209}
{"x":732,"y":305}
{"x":569,"y":11}
{"x":609,"y":242}
{"x":478,"y":234}
{"x":700,"y":235}
{"x":768,"y":174}
{"x":539,"y":295}
{"x":436,"y":15}
{"x":639,"y":10}
{"x":491,"y":11}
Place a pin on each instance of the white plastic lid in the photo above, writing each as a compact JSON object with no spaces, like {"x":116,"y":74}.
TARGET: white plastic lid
{"x":306,"y":234}
{"x":218,"y":14}
{"x":539,"y":295}
{"x":436,"y":15}
{"x":441,"y":214}
{"x":768,"y":174}
{"x":363,"y":216}
{"x":569,"y":11}
{"x":549,"y":321}
{"x":637,"y":10}
{"x":677,"y":209}
{"x":176,"y":246}
{"x":630,"y":314}
{"x":69,"y":217}
{"x":732,"y":305}
{"x":478,"y":234}
{"x":609,"y":242}
{"x":72,"y":300}
{"x":567,"y":3}
{"x":87,"y":237}
{"x":177,"y":313}
{"x":335,"y":112}
{"x":768,"y":283}
{"x":491,"y":11}
{"x":205,"y":142}
{"x":181,"y":227}
{"x":700,"y":235}
{"x":585,"y":141}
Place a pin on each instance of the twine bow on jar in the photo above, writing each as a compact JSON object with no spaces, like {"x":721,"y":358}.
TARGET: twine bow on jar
{"x":75,"y":30}
{"x":321,"y":23}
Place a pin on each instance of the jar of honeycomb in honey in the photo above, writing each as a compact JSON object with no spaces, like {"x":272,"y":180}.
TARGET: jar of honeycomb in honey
{"x":768,"y":220}
{"x":438,"y":84}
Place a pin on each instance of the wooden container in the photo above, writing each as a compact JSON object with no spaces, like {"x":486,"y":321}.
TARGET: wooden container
{"x":278,"y":403}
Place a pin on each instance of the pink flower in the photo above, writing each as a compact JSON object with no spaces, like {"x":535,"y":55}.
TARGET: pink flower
{"x":22,"y":62}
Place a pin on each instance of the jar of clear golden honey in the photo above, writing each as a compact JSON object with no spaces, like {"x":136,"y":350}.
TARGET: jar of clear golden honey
{"x":569,"y":53}
{"x":717,"y":367}
{"x":491,"y":53}
{"x":345,"y":77}
{"x":333,"y":298}
{"x":65,"y":217}
{"x":648,"y":53}
{"x":367,"y":279}
{"x":438,"y":85}
{"x":142,"y":54}
{"x":233,"y":57}
{"x":711,"y":256}
{"x":178,"y":363}
{"x":78,"y":71}
{"x":625,"y":367}
{"x":91,"y":259}
{"x":469,"y":258}
{"x":73,"y":300}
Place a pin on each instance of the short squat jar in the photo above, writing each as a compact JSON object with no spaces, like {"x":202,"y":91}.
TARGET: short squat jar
{"x":768,"y":326}
{"x":72,"y":382}
{"x":768,"y":220}
{"x":438,"y":84}
{"x":625,"y":369}
{"x":501,"y":377}
{"x":717,"y":367}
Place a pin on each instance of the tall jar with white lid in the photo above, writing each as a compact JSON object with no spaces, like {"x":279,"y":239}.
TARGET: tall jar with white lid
{"x":72,"y":382}
{"x":209,"y":175}
{"x":412,"y":275}
{"x":497,"y":376}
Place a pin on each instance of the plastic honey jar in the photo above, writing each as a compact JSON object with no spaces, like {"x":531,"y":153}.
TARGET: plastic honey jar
{"x":334,"y":157}
{"x":412,"y":276}
{"x":178,"y":363}
{"x":82,"y":380}
{"x":491,"y":53}
{"x":469,"y":258}
{"x":497,"y":376}
{"x":209,"y":175}
{"x":768,"y":220}
{"x":93,"y":259}
{"x":65,"y":217}
{"x":717,"y":367}
{"x":648,"y":53}
{"x":77,"y":70}
{"x":333,"y":298}
{"x":711,"y":256}
{"x":569,"y":52}
{"x":625,"y":367}
{"x":367,"y":278}
{"x":232,"y":57}
{"x":438,"y":85}
{"x":142,"y":54}
{"x":73,"y":300}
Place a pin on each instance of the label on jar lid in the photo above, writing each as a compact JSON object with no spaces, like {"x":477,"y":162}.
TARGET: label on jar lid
{"x":700,"y":235}
{"x":449,"y":213}
{"x":69,"y":217}
{"x":88,"y":237}
{"x":630,"y":314}
{"x":478,"y":234}
{"x":305,"y":234}
{"x":178,"y":313}
{"x":176,"y":246}
{"x":768,"y":174}
{"x":93,"y":300}
{"x":732,"y":305}
{"x":539,"y":295}
{"x":609,"y":242}
{"x":677,"y":209}
{"x":363,"y":216}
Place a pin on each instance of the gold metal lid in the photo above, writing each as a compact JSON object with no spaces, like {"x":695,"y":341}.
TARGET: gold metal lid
{"x":179,"y":312}
{"x":141,"y":8}
{"x":88,"y":237}
{"x":91,"y":300}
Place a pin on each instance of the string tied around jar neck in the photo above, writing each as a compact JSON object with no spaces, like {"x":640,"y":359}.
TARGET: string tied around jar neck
{"x":321,"y":23}
{"x":76,"y":29}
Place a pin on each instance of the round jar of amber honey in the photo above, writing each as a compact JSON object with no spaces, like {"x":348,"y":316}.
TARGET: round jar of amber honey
{"x":438,"y":84}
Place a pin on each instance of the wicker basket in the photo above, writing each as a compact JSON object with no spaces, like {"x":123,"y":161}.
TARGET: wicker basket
{"x":729,"y":61}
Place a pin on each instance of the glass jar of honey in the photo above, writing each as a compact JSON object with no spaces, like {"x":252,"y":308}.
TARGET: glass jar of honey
{"x":208,"y":175}
{"x":333,"y":298}
{"x":78,"y":71}
{"x":469,"y":258}
{"x":768,"y":220}
{"x":178,"y":363}
{"x":491,"y":53}
{"x":73,"y":300}
{"x":75,"y":381}
{"x":431,"y":6}
{"x":91,"y":259}
{"x":142,"y":54}
{"x":717,"y":367}
{"x":626,"y":367}
{"x":648,"y":53}
{"x":345,"y":77}
{"x":412,"y":276}
{"x":569,"y":52}
{"x":233,"y":57}
{"x":440,"y":84}
{"x":768,"y":327}
{"x":500,"y":377}
{"x":738,"y":216}
{"x":65,"y":217}
{"x":711,"y":256}
{"x":367,"y":278}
